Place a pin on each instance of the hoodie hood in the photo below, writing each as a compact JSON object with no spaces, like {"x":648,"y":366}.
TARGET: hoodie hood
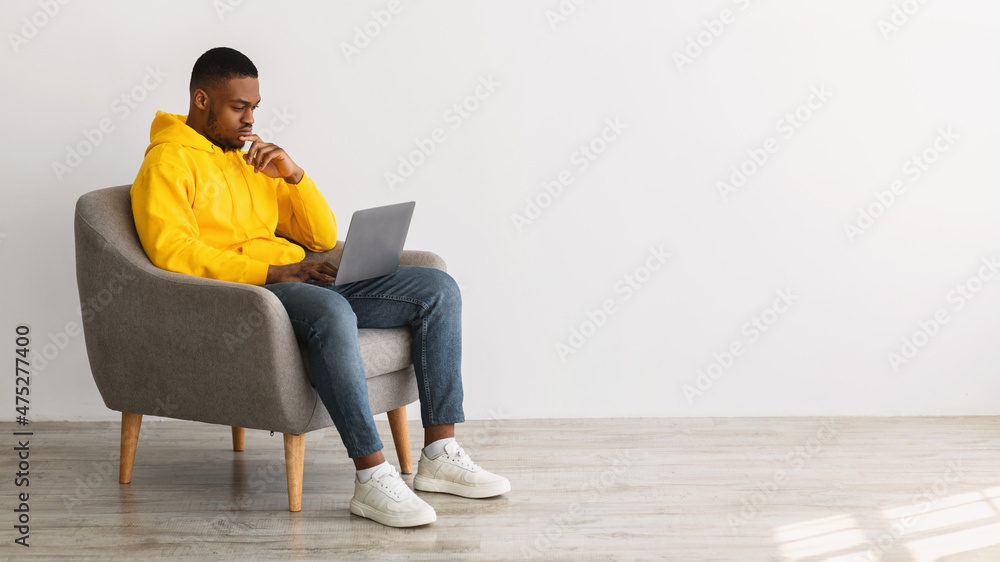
{"x":168,"y":127}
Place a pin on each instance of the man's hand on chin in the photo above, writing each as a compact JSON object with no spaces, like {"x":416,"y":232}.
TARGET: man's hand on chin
{"x":272,"y":160}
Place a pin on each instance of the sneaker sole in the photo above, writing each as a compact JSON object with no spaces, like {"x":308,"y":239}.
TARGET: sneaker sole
{"x":391,"y":520}
{"x":425,"y":484}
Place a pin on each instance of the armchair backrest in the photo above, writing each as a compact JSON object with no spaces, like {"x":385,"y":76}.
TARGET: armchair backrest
{"x":104,"y":223}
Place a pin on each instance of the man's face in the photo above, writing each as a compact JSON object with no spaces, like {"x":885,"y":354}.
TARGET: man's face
{"x":230,"y":112}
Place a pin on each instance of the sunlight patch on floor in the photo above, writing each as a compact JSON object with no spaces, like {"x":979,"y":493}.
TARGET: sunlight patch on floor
{"x":799,"y":541}
{"x":924,"y":531}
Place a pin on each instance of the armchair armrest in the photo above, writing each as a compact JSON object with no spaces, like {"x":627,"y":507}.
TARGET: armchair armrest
{"x":424,"y":258}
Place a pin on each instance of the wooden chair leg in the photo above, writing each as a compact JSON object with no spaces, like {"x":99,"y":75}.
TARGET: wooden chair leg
{"x":239,"y":435}
{"x":401,"y":438}
{"x":295,"y":456}
{"x":130,"y":439}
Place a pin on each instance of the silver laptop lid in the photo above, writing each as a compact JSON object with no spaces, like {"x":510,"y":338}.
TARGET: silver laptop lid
{"x":374,"y":242}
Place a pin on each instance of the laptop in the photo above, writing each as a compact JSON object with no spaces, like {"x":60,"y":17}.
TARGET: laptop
{"x":374,"y":242}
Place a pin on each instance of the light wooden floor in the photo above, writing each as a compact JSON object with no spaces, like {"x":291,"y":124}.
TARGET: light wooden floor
{"x":777,"y":489}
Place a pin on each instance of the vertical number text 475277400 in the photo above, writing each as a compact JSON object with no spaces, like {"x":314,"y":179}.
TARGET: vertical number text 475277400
{"x":21,"y":374}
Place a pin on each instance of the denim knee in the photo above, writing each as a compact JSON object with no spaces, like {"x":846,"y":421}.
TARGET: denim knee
{"x":317,"y":308}
{"x":333,"y":312}
{"x":443,"y":285}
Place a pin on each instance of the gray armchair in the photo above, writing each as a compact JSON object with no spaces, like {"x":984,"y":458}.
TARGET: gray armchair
{"x":175,"y":345}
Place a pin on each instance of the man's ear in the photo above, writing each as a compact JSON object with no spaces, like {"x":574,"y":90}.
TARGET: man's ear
{"x":200,"y":99}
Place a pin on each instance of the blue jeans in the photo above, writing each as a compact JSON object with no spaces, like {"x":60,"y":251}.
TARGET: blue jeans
{"x":326,"y":319}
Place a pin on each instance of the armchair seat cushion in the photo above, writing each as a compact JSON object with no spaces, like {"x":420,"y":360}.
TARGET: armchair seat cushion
{"x":383,"y":351}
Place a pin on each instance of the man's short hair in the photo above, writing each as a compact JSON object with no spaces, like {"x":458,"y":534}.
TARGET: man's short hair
{"x":219,"y":65}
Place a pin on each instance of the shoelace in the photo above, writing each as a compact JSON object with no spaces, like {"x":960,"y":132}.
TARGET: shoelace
{"x":463,"y":459}
{"x":392,"y":484}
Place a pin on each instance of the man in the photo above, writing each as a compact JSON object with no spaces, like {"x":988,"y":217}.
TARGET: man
{"x":205,"y":207}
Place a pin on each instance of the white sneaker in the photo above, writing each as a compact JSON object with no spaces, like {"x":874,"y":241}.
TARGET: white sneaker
{"x":454,"y":473}
{"x":385,"y":498}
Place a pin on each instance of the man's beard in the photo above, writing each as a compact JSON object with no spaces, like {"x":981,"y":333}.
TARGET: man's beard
{"x":215,"y":135}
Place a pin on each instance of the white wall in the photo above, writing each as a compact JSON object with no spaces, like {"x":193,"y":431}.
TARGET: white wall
{"x":349,"y":119}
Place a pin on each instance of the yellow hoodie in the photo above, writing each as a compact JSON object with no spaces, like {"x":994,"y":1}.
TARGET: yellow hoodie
{"x":204,"y":212}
